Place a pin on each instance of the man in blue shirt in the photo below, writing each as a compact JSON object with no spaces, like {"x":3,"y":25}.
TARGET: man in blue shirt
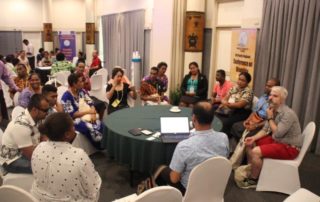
{"x":259,"y":112}
{"x":201,"y":145}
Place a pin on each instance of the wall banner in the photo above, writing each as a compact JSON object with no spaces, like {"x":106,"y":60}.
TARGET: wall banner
{"x":67,"y":42}
{"x":243,"y":49}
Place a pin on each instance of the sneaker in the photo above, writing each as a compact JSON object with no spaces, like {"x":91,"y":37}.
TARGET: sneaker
{"x":249,"y":183}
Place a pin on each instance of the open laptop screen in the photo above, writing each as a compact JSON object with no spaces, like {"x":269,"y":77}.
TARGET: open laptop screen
{"x":174,"y":125}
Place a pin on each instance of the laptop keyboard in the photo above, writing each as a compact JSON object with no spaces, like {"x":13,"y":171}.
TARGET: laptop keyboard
{"x":173,"y":138}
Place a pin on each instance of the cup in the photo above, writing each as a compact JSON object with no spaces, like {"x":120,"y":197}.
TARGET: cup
{"x":174,"y":108}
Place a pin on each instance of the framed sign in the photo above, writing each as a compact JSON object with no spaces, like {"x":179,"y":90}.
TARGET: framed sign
{"x":90,"y":29}
{"x":47,"y":32}
{"x":195,"y":22}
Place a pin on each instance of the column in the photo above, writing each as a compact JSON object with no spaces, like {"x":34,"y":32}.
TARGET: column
{"x":90,"y":30}
{"x":47,"y":25}
{"x":194,"y":31}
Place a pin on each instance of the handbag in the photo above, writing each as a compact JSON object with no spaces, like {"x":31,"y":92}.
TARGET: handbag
{"x":83,"y":106}
{"x":238,"y":154}
{"x":242,"y":173}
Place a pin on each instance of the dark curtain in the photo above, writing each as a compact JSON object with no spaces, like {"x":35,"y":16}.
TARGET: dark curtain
{"x":289,"y":48}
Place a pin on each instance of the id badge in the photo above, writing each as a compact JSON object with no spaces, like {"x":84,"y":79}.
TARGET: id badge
{"x":191,"y":89}
{"x":115,"y":103}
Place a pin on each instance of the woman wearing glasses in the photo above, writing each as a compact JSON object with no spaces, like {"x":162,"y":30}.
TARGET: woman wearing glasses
{"x":118,"y":91}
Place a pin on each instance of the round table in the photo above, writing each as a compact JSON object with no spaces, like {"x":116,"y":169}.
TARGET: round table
{"x":43,"y":73}
{"x":138,"y":152}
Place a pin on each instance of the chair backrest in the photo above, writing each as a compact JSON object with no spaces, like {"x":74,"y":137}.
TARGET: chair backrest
{"x":96,"y":82}
{"x":62,"y":77}
{"x":9,"y":193}
{"x":15,"y":98}
{"x":61,"y":90}
{"x":308,"y":134}
{"x":159,"y":194}
{"x":208,"y":180}
{"x":103,"y":72}
{"x":17,"y":110}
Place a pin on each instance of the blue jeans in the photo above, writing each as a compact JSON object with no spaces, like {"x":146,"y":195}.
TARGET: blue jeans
{"x":21,"y":165}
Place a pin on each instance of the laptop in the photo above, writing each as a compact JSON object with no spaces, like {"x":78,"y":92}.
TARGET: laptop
{"x":174,"y":129}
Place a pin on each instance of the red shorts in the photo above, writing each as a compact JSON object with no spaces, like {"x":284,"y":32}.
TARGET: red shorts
{"x":276,"y":150}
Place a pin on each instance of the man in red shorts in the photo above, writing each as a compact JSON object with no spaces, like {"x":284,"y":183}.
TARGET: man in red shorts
{"x":280,"y":137}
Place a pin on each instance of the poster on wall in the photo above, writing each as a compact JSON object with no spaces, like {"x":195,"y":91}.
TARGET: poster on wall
{"x":243,"y":49}
{"x":194,"y":31}
{"x":67,"y":42}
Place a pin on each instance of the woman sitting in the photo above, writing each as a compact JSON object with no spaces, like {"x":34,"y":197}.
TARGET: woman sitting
{"x":236,"y":106}
{"x":62,"y":172}
{"x":194,"y":86}
{"x":34,"y":88}
{"x":79,"y":105}
{"x":118,"y":91}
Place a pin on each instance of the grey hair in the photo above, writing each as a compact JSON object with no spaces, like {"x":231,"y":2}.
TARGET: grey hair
{"x":282,"y":90}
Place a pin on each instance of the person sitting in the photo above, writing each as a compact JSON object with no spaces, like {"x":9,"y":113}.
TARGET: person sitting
{"x":50,"y":93}
{"x":117,"y":92}
{"x":79,"y":105}
{"x":201,"y":145}
{"x":194,"y":86}
{"x":151,"y":89}
{"x":9,"y":65}
{"x":162,"y":67}
{"x":46,"y":60}
{"x":96,"y":63}
{"x":22,"y":136}
{"x":220,"y":89}
{"x":280,"y":137}
{"x":21,"y":80}
{"x":257,"y":118}
{"x":40,"y":55}
{"x":81,"y":69}
{"x":236,"y":106}
{"x":34,"y":88}
{"x":61,"y":64}
{"x":62,"y":172}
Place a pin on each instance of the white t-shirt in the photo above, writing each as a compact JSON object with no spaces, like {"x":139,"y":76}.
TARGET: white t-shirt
{"x":20,"y":133}
{"x":63,"y":173}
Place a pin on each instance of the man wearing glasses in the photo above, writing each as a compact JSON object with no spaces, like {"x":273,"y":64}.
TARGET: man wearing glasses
{"x":22,"y":136}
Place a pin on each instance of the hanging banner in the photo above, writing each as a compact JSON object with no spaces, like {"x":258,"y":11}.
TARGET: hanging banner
{"x":243,"y":50}
{"x":193,"y":39}
{"x":67,"y":42}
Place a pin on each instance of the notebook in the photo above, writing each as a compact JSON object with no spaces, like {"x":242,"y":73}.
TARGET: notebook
{"x":174,"y":129}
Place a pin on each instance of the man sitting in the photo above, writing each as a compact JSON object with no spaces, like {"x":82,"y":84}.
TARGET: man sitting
{"x":257,"y":118}
{"x":22,"y":136}
{"x":152,"y":88}
{"x":201,"y":145}
{"x":61,"y":64}
{"x":280,"y":137}
{"x":51,"y":95}
{"x":221,"y":88}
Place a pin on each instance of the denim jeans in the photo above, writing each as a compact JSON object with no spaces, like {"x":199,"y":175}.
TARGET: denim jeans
{"x":21,"y":165}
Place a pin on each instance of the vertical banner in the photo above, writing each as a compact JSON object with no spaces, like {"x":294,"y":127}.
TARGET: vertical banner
{"x":194,"y":31}
{"x":243,"y":49}
{"x":67,"y":42}
{"x":90,"y":28}
{"x":47,"y":32}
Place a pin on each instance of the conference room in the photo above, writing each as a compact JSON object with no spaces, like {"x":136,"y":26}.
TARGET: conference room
{"x":155,"y":100}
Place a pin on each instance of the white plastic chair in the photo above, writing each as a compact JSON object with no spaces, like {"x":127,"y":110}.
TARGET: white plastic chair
{"x":104,"y":73}
{"x":10,"y":193}
{"x":82,"y":142}
{"x":62,"y":77}
{"x":159,"y":194}
{"x":97,"y":90}
{"x":208,"y":180}
{"x":17,"y":110}
{"x":302,"y":195}
{"x":61,"y":90}
{"x":6,"y":94}
{"x":283,"y":175}
{"x":16,"y":98}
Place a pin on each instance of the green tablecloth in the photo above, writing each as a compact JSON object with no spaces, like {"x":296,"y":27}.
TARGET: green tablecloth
{"x":136,"y":151}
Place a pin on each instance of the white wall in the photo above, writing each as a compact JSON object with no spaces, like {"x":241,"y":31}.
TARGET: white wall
{"x":68,"y":15}
{"x":21,"y":15}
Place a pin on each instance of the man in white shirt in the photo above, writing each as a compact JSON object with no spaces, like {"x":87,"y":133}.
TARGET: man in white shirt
{"x":28,"y":47}
{"x":22,"y":136}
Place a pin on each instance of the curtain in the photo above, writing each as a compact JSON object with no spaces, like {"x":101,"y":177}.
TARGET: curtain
{"x":177,"y":61}
{"x":122,"y":34}
{"x":10,"y":42}
{"x":289,"y":48}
